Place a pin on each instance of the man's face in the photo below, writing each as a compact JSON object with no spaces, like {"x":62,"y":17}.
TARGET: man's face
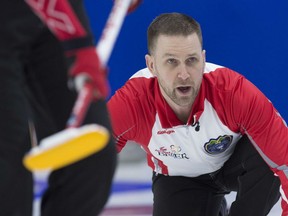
{"x":178,"y":63}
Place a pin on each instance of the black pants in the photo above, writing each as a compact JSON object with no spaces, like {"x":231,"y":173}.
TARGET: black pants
{"x":245,"y":172}
{"x":33,"y":87}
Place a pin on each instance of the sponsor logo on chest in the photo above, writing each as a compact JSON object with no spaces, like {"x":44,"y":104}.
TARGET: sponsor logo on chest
{"x":173,"y":151}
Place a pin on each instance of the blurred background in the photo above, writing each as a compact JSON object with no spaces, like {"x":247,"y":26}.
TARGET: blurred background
{"x":249,"y":36}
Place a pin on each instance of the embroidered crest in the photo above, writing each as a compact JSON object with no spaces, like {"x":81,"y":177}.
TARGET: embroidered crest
{"x":218,"y":145}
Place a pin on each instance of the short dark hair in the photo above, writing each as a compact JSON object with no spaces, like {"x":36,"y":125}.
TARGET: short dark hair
{"x":172,"y":24}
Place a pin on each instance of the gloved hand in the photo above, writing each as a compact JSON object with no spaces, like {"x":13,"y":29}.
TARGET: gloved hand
{"x":87,"y":67}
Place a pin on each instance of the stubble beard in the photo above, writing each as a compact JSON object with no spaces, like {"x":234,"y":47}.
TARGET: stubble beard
{"x":182,"y":101}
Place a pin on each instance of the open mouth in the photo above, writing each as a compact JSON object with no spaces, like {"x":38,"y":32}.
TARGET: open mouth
{"x":184,"y":89}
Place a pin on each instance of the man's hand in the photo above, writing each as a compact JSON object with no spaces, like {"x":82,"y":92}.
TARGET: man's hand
{"x":87,"y":67}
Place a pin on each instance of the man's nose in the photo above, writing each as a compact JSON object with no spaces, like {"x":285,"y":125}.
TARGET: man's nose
{"x":183,"y":73}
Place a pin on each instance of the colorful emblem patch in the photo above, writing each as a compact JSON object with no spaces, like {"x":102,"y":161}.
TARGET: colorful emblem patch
{"x":219,"y":145}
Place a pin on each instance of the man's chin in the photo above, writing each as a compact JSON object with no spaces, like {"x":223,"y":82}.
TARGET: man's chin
{"x":184,"y":102}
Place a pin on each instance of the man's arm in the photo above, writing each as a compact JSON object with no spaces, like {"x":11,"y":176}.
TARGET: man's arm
{"x":268,"y":132}
{"x":121,"y":111}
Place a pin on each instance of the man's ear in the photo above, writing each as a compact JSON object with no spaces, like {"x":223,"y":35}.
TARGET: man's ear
{"x":204,"y":55}
{"x":150,"y":63}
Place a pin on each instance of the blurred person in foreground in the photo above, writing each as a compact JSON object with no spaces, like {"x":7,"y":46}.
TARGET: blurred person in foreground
{"x":34,"y":69}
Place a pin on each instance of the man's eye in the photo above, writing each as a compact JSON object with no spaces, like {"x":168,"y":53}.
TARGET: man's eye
{"x":171,"y":61}
{"x":192,"y":60}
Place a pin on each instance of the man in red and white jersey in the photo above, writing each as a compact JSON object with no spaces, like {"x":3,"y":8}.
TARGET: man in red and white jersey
{"x":205,"y":128}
